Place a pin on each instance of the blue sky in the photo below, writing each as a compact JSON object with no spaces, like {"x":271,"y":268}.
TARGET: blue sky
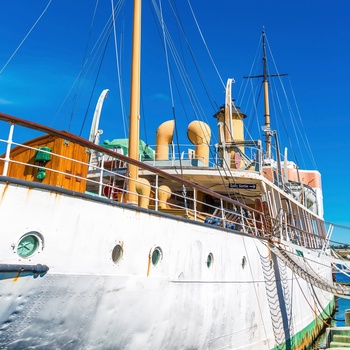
{"x":310,"y":41}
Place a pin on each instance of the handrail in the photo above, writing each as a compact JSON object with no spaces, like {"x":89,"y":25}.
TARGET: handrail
{"x":241,"y":219}
{"x":85,"y":143}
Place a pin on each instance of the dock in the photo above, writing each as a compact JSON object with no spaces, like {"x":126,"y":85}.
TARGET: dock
{"x":339,"y":337}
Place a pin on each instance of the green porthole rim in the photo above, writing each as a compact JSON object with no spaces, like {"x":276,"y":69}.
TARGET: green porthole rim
{"x":157,"y":256}
{"x":28,"y":245}
{"x":210,"y":260}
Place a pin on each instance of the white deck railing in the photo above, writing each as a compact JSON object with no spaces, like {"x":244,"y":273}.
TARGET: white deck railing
{"x":107,"y":178}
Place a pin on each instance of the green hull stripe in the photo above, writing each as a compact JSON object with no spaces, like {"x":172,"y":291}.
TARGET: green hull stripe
{"x":304,"y":338}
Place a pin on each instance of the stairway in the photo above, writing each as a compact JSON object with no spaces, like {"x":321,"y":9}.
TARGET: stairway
{"x":338,"y":338}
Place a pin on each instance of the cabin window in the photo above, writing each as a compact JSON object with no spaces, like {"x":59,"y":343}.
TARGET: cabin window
{"x":117,"y":253}
{"x":157,"y":256}
{"x":28,"y":244}
{"x":210,"y":260}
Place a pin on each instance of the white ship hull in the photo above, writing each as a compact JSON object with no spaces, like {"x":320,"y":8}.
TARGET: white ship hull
{"x":116,"y":245}
{"x":248,"y":299}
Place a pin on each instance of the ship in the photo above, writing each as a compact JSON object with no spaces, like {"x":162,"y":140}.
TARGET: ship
{"x":116,"y":245}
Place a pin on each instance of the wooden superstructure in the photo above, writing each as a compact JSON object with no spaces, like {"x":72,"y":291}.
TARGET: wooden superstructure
{"x":50,"y":160}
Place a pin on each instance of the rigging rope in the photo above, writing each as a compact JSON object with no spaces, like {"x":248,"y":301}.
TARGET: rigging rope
{"x":313,"y":310}
{"x":301,"y":122}
{"x":183,"y":72}
{"x":26,"y":36}
{"x":166,"y":55}
{"x":118,"y":68}
{"x":89,"y":61}
{"x":193,"y":98}
{"x":244,"y":87}
{"x":308,"y":273}
{"x":93,"y":90}
{"x":171,"y":90}
{"x":205,"y":43}
{"x":168,"y":42}
{"x":82,"y":65}
{"x":299,"y":135}
{"x":276,"y":105}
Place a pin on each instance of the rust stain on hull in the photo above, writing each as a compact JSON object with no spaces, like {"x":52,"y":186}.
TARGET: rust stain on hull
{"x":4,"y":191}
{"x":149,"y":262}
{"x":17,"y":276}
{"x":310,"y":337}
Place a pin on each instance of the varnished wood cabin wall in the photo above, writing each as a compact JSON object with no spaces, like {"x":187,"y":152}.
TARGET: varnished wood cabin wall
{"x":60,"y":171}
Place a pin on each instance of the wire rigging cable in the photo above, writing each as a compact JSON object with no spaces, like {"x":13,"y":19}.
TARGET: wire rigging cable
{"x":187,"y":83}
{"x":92,"y":62}
{"x":297,"y":124}
{"x":301,"y":122}
{"x":170,"y":87}
{"x":118,"y":69}
{"x":26,"y":36}
{"x":84,"y":57}
{"x":205,"y":44}
{"x":182,"y":70}
{"x":195,"y":61}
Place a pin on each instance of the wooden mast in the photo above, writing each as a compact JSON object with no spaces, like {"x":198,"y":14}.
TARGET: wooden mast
{"x":266,"y":101}
{"x":132,"y":197}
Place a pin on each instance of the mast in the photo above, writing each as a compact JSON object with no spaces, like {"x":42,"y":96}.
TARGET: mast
{"x":266,"y":101}
{"x":134,"y":103}
{"x":265,"y":76}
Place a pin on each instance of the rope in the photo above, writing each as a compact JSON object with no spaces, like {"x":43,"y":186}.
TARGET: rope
{"x":80,"y":78}
{"x":166,"y":54}
{"x":302,"y":124}
{"x":205,"y":44}
{"x":164,"y":32}
{"x":118,"y":68}
{"x":314,"y":311}
{"x":310,"y":275}
{"x":182,"y":72}
{"x":340,"y":270}
{"x":88,"y":63}
{"x":24,"y":39}
{"x":186,"y":81}
{"x":318,"y":304}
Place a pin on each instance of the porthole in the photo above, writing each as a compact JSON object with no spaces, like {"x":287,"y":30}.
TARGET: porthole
{"x":210,"y":260}
{"x":28,"y":245}
{"x":244,"y":262}
{"x":117,"y":253}
{"x":157,"y":256}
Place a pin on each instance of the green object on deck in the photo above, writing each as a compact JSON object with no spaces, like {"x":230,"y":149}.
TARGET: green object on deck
{"x":42,"y":154}
{"x":145,"y":152}
{"x":41,"y":174}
